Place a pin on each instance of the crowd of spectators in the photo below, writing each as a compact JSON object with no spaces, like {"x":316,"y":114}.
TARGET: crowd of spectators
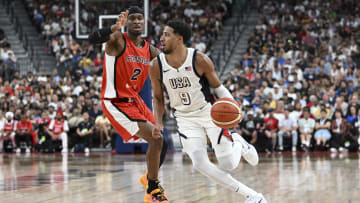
{"x":299,"y":78}
{"x":297,"y":82}
{"x":67,"y":109}
{"x":56,"y":21}
{"x":64,"y":107}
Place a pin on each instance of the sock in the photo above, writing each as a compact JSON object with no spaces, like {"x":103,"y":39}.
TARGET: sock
{"x":152,"y":185}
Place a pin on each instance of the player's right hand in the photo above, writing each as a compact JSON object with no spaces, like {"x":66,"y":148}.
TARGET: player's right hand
{"x":121,"y":21}
{"x":156,"y":133}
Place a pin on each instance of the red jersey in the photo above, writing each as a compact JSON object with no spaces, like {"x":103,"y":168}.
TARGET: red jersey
{"x":58,"y":126}
{"x":272,"y":123}
{"x":24,"y":126}
{"x":43,"y":120}
{"x":9,"y":126}
{"x":125,"y":75}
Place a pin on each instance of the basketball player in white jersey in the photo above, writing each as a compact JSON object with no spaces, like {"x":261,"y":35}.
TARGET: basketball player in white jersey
{"x":186,"y":74}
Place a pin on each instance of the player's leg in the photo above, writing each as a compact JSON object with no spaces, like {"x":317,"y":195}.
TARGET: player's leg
{"x":229,"y":152}
{"x":154,"y":190}
{"x":195,"y":147}
{"x":154,"y":149}
{"x":129,"y":121}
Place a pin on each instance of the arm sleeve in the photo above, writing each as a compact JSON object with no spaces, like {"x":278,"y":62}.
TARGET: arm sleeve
{"x":222,"y":92}
{"x":51,"y":126}
{"x":100,"y":35}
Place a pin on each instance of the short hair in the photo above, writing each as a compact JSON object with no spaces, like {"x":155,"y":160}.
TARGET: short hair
{"x":181,"y":28}
{"x":135,"y":9}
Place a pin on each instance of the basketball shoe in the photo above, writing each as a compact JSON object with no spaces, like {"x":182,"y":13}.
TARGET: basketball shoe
{"x":248,"y":151}
{"x":258,"y":198}
{"x":156,"y":196}
{"x":143,"y":180}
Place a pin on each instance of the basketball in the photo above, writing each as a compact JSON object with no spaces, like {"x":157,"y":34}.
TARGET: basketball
{"x":226,"y":113}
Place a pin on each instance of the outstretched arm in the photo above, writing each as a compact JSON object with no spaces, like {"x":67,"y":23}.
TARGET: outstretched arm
{"x":159,"y":109}
{"x":112,"y":35}
{"x":205,"y":67}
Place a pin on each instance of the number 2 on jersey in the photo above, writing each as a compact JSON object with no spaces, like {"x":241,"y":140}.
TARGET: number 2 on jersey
{"x":185,"y":98}
{"x":136,"y":73}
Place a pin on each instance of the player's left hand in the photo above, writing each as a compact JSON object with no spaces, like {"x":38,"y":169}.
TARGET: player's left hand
{"x":156,"y":133}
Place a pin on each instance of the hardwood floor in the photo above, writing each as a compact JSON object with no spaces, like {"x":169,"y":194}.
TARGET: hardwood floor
{"x":286,"y":178}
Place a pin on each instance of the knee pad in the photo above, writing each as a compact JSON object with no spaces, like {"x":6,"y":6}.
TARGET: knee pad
{"x":228,"y":162}
{"x":224,"y":148}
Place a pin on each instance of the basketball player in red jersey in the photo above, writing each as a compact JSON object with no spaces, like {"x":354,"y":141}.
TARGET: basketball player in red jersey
{"x":8,"y":129}
{"x":126,"y":64}
{"x":58,"y":129}
{"x":23,"y":133}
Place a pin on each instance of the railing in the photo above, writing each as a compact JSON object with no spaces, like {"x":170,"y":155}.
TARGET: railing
{"x":28,"y":46}
{"x":241,"y":10}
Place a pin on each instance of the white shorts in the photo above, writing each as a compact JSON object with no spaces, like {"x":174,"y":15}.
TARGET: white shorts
{"x":193,"y":127}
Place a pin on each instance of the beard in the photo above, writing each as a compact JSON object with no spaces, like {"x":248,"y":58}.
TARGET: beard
{"x":167,"y":51}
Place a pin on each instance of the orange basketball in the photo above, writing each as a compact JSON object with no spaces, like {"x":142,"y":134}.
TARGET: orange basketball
{"x":226,"y":113}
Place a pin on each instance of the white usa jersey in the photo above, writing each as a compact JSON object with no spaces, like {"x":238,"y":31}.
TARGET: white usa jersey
{"x":187,"y":90}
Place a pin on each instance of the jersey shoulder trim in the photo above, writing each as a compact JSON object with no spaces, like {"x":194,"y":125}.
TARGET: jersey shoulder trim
{"x":194,"y":62}
{"x":160,"y":67}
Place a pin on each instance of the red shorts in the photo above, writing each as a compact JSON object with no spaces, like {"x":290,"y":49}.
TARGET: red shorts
{"x":124,"y":116}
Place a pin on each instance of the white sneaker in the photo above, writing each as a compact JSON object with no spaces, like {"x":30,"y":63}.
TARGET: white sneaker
{"x":87,"y":150}
{"x":18,"y":150}
{"x":332,"y":149}
{"x":65,"y":150}
{"x":248,"y":151}
{"x":27,"y":150}
{"x":341,"y":149}
{"x":293,"y":149}
{"x":259,"y":198}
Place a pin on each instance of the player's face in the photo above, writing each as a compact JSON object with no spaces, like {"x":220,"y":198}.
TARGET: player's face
{"x":168,"y":40}
{"x":136,"y":23}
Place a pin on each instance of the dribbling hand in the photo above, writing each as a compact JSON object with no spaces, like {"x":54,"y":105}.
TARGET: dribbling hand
{"x":156,"y":133}
{"x":121,"y":21}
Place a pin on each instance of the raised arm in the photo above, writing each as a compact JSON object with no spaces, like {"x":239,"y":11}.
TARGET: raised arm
{"x":111,"y":35}
{"x":159,"y":108}
{"x":204,"y":66}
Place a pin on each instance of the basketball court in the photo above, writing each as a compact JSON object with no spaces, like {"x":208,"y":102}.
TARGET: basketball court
{"x":102,"y":177}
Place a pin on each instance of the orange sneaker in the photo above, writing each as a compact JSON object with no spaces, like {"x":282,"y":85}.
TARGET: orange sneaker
{"x":156,"y":196}
{"x":143,"y":180}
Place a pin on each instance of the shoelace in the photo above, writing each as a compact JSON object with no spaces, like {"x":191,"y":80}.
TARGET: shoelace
{"x":159,"y":193}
